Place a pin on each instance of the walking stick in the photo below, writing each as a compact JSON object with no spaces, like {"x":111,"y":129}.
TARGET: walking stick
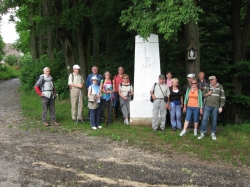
{"x":78,"y":106}
{"x":113,"y":110}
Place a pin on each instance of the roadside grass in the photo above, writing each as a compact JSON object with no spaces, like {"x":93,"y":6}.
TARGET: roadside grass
{"x":232,"y":144}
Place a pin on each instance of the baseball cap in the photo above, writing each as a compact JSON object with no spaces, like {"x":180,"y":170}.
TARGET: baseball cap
{"x":212,"y":77}
{"x":76,"y":67}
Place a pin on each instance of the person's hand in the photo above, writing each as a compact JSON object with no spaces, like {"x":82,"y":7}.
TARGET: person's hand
{"x":42,"y":95}
{"x":79,"y":85}
{"x":167,"y":106}
{"x":184,"y":109}
{"x":209,"y":93}
{"x":125,"y":98}
{"x":201,"y":111}
{"x":220,"y":110}
{"x":153,"y":96}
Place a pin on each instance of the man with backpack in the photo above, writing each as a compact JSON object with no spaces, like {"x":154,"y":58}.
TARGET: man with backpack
{"x":45,"y":88}
{"x":214,"y":101}
{"x":75,"y":83}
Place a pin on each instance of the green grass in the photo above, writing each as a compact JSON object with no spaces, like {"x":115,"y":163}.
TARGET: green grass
{"x":232,"y":144}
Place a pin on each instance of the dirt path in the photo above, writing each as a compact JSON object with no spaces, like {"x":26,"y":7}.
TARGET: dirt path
{"x":37,"y":158}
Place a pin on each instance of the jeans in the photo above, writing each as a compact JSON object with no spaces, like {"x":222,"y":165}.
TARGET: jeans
{"x":94,"y":117}
{"x":175,"y":115}
{"x":206,"y":113}
{"x":195,"y":111}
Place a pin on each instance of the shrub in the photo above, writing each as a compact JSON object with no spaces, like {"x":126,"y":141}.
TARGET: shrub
{"x":11,"y":60}
{"x":7,"y":72}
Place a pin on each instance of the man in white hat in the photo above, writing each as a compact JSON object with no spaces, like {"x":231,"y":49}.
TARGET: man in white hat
{"x":214,"y":101}
{"x":75,"y":83}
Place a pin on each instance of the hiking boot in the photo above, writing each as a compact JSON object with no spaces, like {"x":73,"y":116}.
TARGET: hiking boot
{"x":195,"y":132}
{"x":213,"y":136}
{"x":173,"y":129}
{"x":45,"y":123}
{"x":182,"y":133}
{"x":56,"y":123}
{"x":201,"y":136}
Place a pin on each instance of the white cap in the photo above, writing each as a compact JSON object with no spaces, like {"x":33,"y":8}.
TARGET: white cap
{"x":191,"y":75}
{"x":94,"y":78}
{"x":76,"y":67}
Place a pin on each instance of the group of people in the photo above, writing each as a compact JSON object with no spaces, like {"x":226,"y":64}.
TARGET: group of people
{"x":103,"y":93}
{"x":199,"y":99}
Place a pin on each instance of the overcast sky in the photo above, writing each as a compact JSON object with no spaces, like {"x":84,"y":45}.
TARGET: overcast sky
{"x":7,"y":30}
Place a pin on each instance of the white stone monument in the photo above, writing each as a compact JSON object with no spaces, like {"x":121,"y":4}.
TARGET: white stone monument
{"x":146,"y":73}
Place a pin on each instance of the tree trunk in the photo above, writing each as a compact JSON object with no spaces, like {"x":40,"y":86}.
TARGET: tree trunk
{"x":191,"y":36}
{"x":67,"y":49}
{"x":240,"y":37}
{"x":96,"y":47}
{"x":50,"y":41}
{"x":40,"y":34}
{"x":33,"y":40}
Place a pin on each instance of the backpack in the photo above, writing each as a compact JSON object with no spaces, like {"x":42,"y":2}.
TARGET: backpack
{"x":128,"y":85}
{"x":151,"y":98}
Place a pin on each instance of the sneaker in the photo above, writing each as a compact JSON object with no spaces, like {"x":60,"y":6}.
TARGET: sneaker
{"x":94,"y":128}
{"x":56,"y":123}
{"x":99,"y":127}
{"x":201,"y":136}
{"x":182,"y":133}
{"x":213,"y":136}
{"x":126,"y":122}
{"x":195,"y":132}
{"x":45,"y":124}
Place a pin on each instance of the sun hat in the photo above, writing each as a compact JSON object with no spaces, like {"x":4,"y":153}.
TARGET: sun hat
{"x":94,"y":78}
{"x":191,"y":75}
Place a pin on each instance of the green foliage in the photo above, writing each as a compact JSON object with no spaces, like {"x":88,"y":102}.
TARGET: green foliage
{"x":7,"y":72}
{"x":12,"y":60}
{"x":163,"y":17}
{"x":30,"y":71}
{"x":2,"y":45}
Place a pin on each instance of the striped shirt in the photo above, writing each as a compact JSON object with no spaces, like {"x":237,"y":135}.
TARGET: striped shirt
{"x":217,"y":99}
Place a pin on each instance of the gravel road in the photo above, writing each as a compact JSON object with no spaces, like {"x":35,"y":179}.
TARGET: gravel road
{"x":38,"y":158}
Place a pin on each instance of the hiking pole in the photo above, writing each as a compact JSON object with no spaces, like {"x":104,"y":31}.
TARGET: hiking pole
{"x":113,"y":110}
{"x":80,"y":94}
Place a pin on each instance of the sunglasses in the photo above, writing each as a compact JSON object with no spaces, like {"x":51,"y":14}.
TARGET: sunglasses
{"x":124,"y":78}
{"x":193,"y":83}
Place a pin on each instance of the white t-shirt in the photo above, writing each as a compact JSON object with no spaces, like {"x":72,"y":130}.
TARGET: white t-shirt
{"x":157,"y":91}
{"x":125,"y":89}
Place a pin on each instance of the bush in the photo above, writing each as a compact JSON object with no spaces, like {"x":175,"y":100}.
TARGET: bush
{"x":31,"y":70}
{"x":11,"y":60}
{"x":7,"y":72}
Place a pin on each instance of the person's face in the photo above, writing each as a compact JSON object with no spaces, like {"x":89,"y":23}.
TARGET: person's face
{"x":161,"y":81}
{"x":94,"y":81}
{"x":46,"y":72}
{"x":213,"y":81}
{"x":120,"y":70}
{"x":169,"y":76}
{"x":193,"y":84}
{"x":175,"y":83}
{"x":201,"y":76}
{"x":107,"y":75}
{"x":95,"y":70}
{"x":189,"y":79}
{"x":125,"y":79}
{"x":76,"y":71}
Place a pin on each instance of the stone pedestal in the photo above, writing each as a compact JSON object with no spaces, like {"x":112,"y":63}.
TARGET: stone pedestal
{"x":146,"y":73}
